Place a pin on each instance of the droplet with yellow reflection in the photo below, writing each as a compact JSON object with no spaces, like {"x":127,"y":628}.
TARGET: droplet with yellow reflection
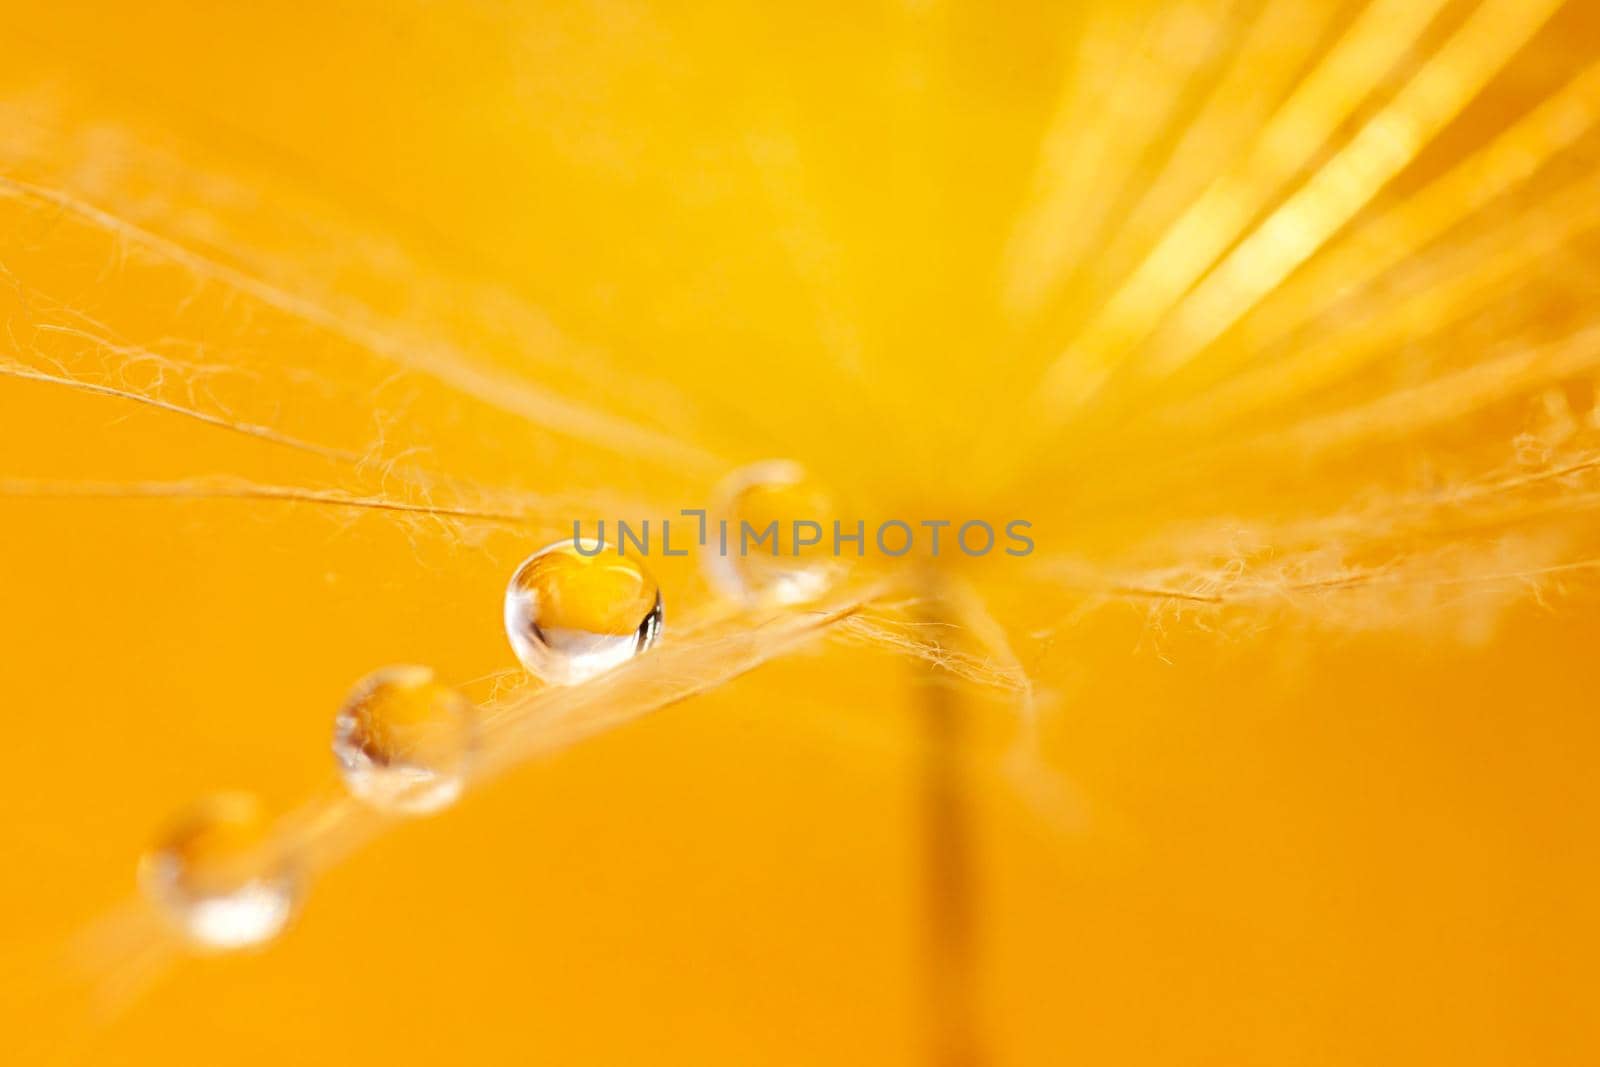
{"x":779,"y":546}
{"x":218,"y":877}
{"x":405,"y":741}
{"x":571,"y":616}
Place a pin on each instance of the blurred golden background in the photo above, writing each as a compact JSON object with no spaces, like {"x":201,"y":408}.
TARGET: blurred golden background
{"x":1277,"y":319}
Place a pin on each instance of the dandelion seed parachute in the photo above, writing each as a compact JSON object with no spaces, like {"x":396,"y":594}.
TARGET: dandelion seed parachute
{"x":1275,"y":318}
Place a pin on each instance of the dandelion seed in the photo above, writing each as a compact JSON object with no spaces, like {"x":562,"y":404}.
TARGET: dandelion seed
{"x":1289,"y":330}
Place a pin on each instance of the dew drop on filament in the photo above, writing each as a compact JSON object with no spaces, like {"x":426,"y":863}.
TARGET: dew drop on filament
{"x":783,"y":569}
{"x":571,"y":616}
{"x":404,"y":741}
{"x":217,"y":875}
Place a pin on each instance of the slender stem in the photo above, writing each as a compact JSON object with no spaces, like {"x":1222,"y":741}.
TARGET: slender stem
{"x":947,"y":863}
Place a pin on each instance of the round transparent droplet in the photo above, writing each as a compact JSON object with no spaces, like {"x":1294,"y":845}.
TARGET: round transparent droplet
{"x":571,"y":616}
{"x":405,"y":741}
{"x":219,"y":877}
{"x":778,"y":546}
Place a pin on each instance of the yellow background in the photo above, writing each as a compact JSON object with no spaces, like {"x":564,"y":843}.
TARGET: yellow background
{"x":768,"y":232}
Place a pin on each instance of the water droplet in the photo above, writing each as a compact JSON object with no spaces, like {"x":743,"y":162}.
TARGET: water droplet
{"x":795,"y":566}
{"x":570,"y":616}
{"x":404,"y":741}
{"x":218,"y":875}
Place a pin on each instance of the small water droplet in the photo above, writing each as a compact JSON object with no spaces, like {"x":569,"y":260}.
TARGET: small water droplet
{"x":570,"y":616}
{"x":405,"y":741}
{"x":786,"y":569}
{"x":219,"y":877}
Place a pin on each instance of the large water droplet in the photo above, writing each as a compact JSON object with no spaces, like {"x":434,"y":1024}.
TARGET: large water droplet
{"x":571,"y":616}
{"x":404,"y":741}
{"x":783,"y":569}
{"x":218,"y":875}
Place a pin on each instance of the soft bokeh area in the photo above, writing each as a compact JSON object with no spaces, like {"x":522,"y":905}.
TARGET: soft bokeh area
{"x":1276,"y":319}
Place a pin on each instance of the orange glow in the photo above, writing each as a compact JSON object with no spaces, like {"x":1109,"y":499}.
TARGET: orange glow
{"x":1277,"y":320}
